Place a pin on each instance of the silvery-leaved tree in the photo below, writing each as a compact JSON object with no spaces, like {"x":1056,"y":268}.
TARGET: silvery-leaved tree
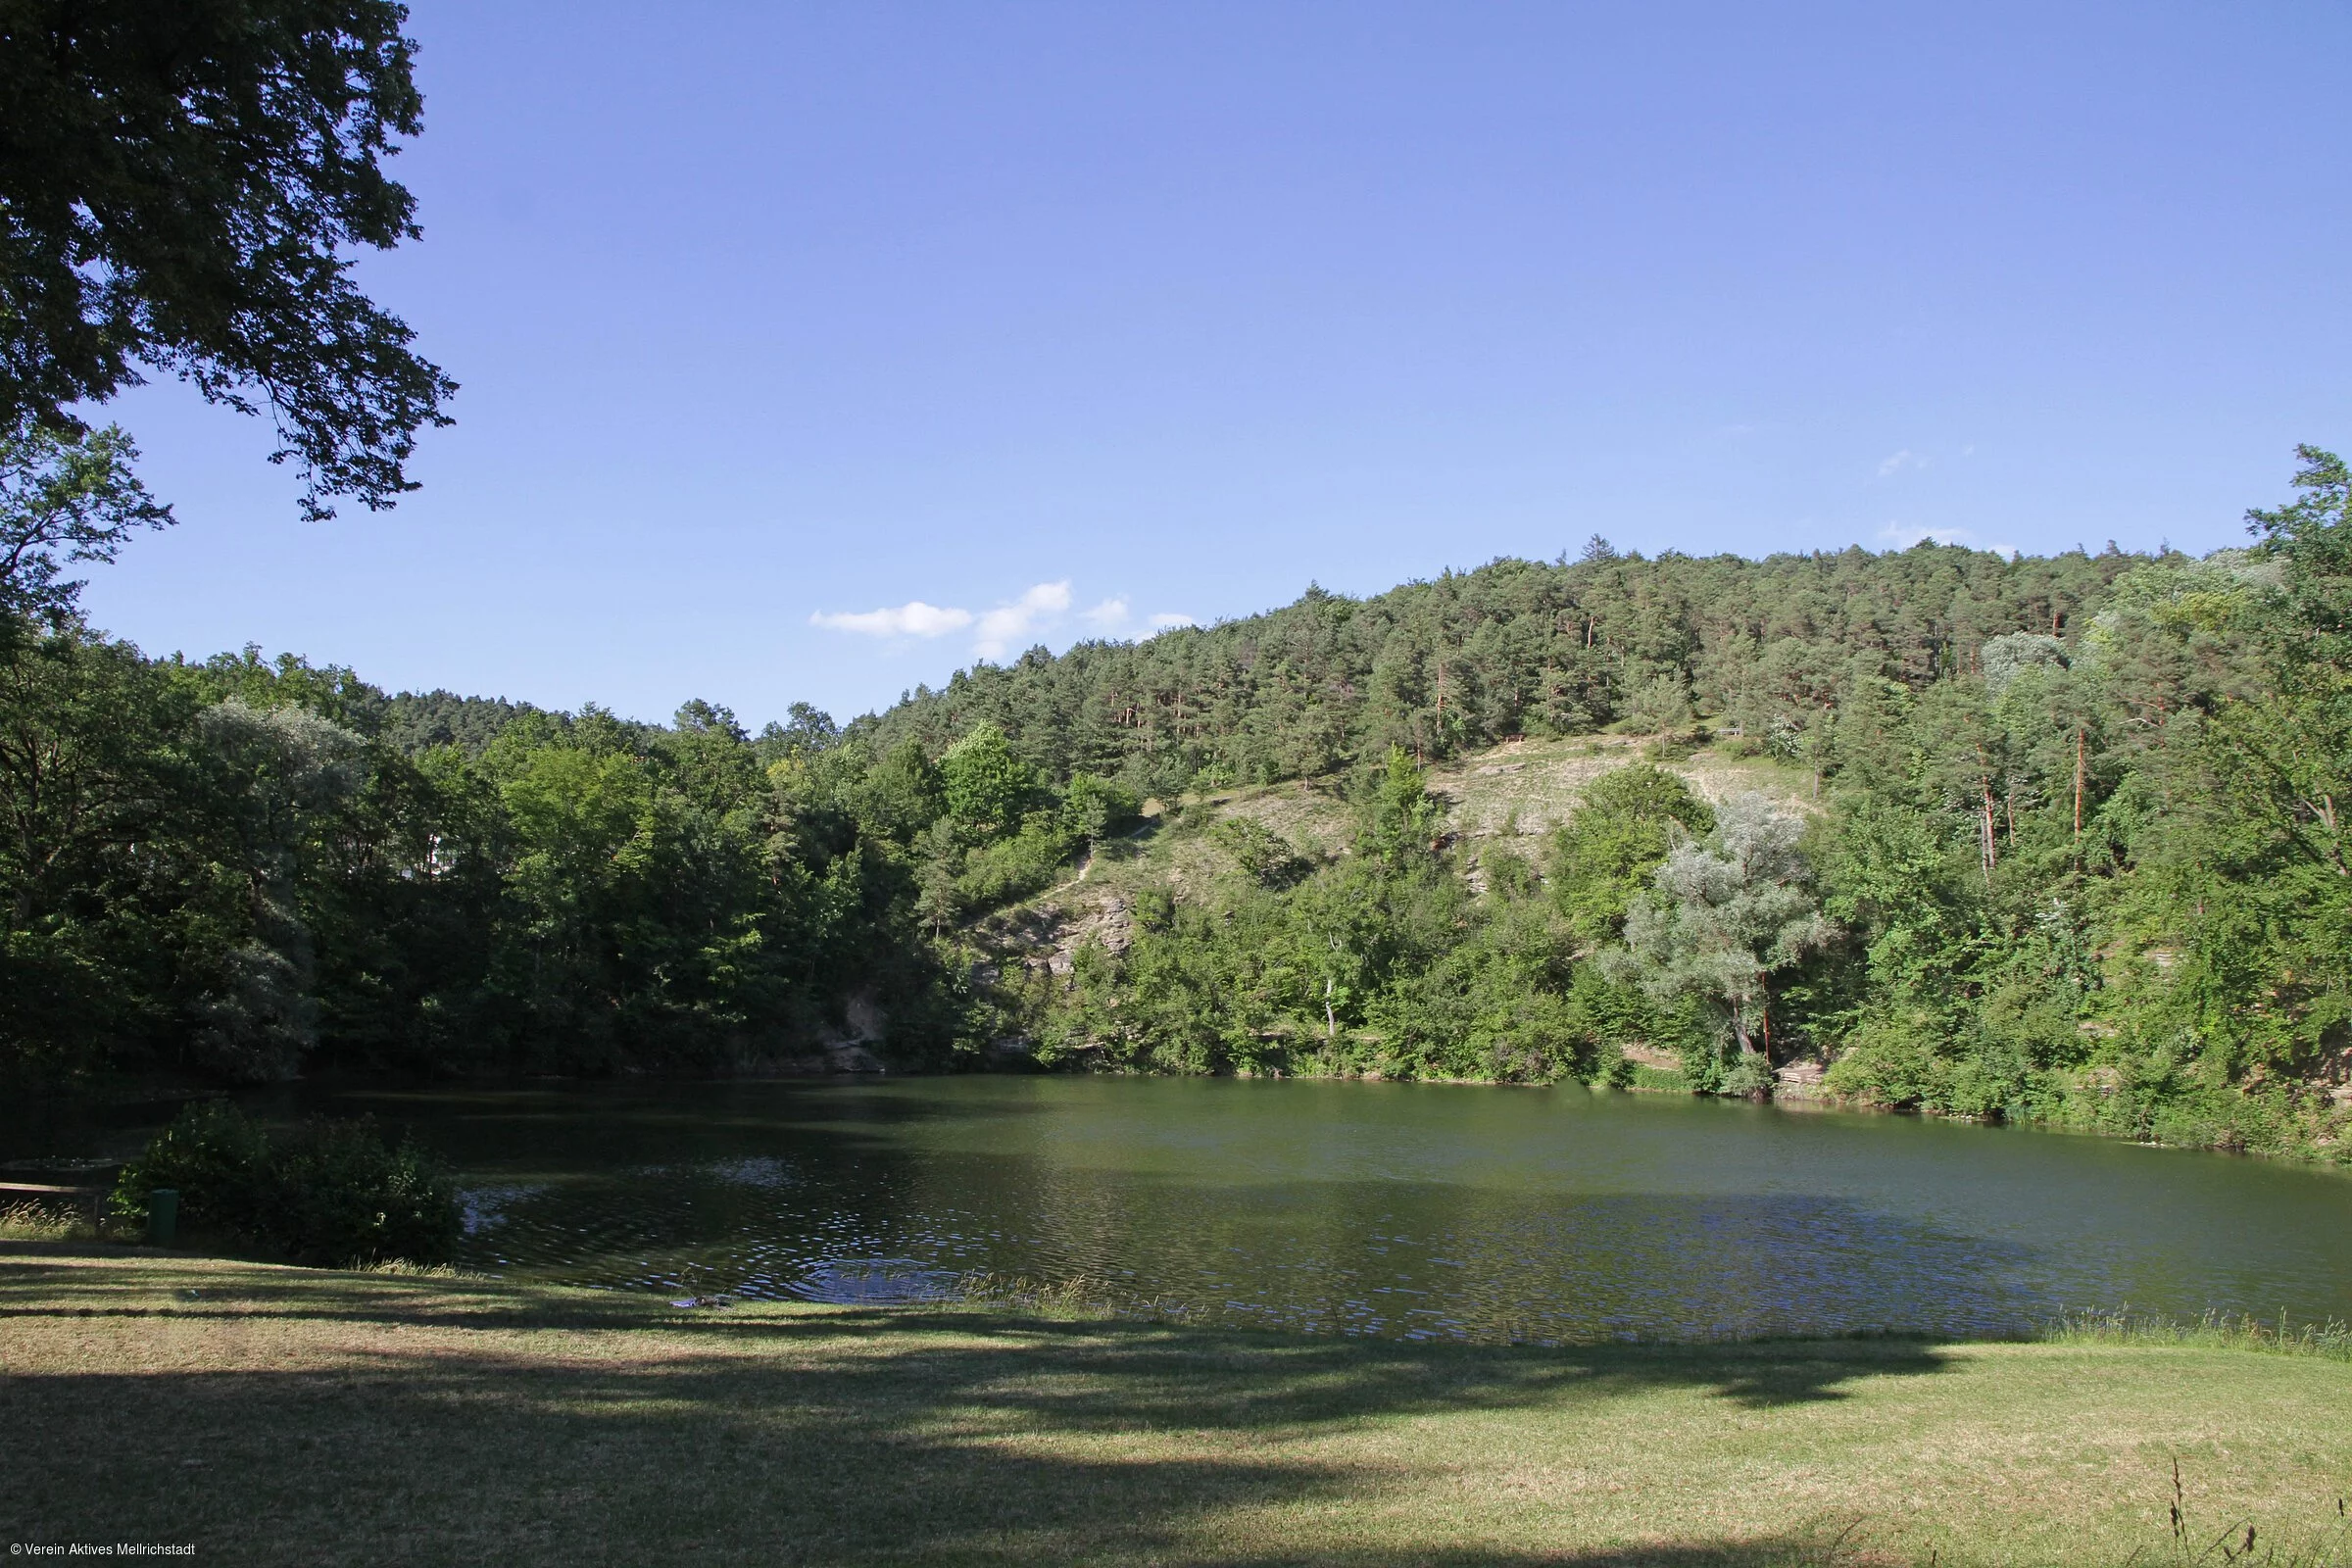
{"x":1721,"y":918}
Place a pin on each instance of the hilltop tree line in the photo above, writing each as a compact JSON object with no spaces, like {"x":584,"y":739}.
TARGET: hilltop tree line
{"x":1771,"y":647}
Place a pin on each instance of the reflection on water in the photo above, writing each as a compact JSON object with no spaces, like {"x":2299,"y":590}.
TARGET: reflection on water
{"x":1394,"y":1209}
{"x":871,"y":1281}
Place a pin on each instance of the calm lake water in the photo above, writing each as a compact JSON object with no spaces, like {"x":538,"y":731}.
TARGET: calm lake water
{"x":1413,"y":1210}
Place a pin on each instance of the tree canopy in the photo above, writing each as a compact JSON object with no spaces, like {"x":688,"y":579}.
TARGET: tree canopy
{"x":1722,"y":917}
{"x":181,"y":184}
{"x":65,"y":499}
{"x":2056,"y":839}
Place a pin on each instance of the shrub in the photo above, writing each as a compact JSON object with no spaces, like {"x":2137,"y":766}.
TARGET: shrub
{"x":1094,"y":809}
{"x":985,"y":785}
{"x":1902,"y":1064}
{"x":1746,"y":1078}
{"x":328,"y":1193}
{"x":1265,"y":855}
{"x":1029,"y":861}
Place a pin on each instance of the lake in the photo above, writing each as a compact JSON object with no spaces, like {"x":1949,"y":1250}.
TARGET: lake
{"x":1402,"y":1210}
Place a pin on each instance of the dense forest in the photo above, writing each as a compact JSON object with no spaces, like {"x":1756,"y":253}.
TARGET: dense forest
{"x":2069,"y":847}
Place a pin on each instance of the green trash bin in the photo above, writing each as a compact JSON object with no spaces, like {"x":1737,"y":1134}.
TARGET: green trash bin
{"x":162,"y":1216}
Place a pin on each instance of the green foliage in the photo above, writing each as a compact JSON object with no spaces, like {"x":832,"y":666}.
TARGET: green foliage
{"x":991,"y":831}
{"x":189,"y":203}
{"x":1399,"y":819}
{"x":901,"y":796}
{"x":329,"y":1193}
{"x":1659,"y":706}
{"x":1793,"y":644}
{"x":985,"y":786}
{"x":2100,"y":887}
{"x":2313,"y":535}
{"x":417,"y":722}
{"x":2013,"y":654}
{"x":1355,"y":967}
{"x":229,"y":868}
{"x":1602,"y":856}
{"x":1265,"y":855}
{"x":1095,"y":808}
{"x":1013,"y":867}
{"x":1721,"y":919}
{"x":1499,"y":1005}
{"x":811,"y":730}
{"x":64,"y":500}
{"x":2072,"y":848}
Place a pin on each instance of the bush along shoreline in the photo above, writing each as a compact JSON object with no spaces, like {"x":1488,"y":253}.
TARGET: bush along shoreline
{"x":324,"y":1192}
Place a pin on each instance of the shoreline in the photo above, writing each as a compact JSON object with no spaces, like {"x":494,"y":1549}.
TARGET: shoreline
{"x":2332,"y":1155}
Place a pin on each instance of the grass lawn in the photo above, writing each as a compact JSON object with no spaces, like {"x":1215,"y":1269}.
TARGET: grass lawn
{"x":286,"y":1416}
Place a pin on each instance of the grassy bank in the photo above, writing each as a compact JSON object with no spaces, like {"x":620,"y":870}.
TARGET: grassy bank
{"x":284,"y":1415}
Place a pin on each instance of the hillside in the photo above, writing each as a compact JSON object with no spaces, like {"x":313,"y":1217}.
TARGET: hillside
{"x":1509,"y":798}
{"x":1515,"y":647}
{"x":2042,"y":838}
{"x":2050,"y":838}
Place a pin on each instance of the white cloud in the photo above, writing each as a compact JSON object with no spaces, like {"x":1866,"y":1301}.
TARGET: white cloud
{"x":994,"y":631}
{"x":1903,"y":535}
{"x":914,"y":618}
{"x":1026,"y":615}
{"x":1165,"y":620}
{"x":1905,"y":459}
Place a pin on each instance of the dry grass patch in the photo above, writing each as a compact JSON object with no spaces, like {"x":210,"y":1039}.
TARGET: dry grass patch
{"x":1530,"y":787}
{"x":46,"y":1219}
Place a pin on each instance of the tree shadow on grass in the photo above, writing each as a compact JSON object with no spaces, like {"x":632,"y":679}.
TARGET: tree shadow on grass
{"x":561,"y":1428}
{"x":1174,"y":1370}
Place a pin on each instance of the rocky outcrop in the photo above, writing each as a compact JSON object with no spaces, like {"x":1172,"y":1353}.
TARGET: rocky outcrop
{"x":1799,"y":1080}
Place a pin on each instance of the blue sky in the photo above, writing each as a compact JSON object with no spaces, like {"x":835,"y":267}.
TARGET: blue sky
{"x":811,"y":351}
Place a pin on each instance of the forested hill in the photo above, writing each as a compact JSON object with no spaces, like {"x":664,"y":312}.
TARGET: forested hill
{"x":2050,"y":838}
{"x":1513,"y":648}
